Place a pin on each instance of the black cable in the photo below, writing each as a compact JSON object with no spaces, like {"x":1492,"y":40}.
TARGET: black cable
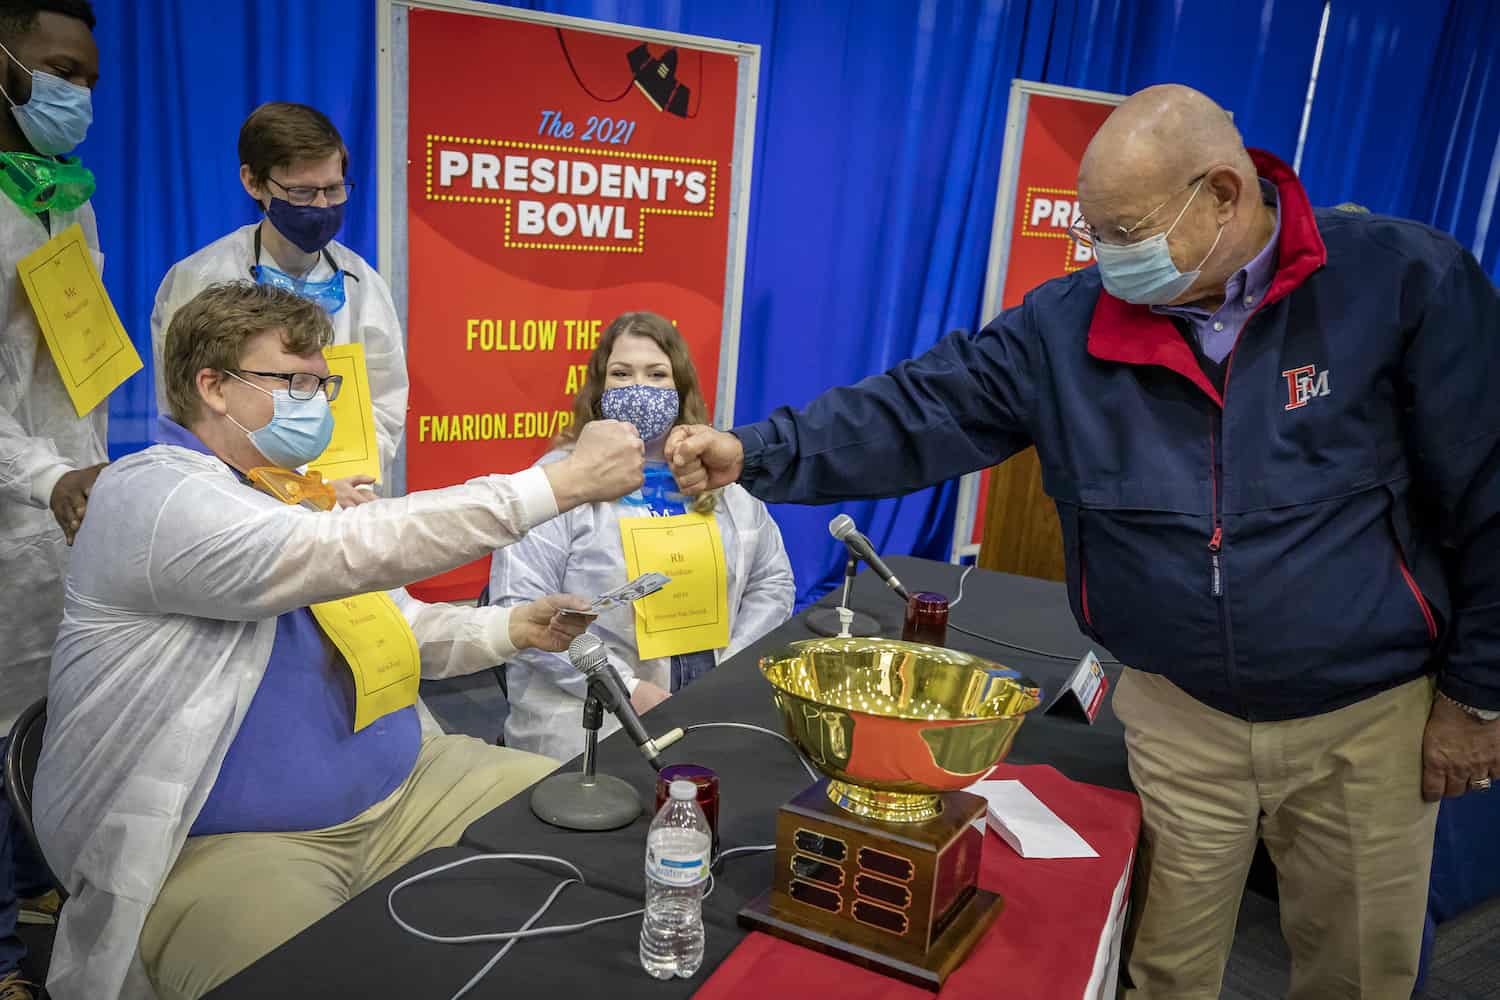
{"x":566,"y":55}
{"x":1024,"y":649}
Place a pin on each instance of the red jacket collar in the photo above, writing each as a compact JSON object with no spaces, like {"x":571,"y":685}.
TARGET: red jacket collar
{"x":1134,"y":335}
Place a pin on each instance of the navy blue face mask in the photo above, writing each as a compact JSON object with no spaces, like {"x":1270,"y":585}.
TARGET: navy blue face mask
{"x":309,"y":227}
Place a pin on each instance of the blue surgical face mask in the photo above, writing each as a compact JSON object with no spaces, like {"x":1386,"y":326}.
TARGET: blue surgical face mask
{"x":309,"y":227}
{"x":58,"y":114}
{"x":326,"y":292}
{"x":652,"y":408}
{"x":299,"y":431}
{"x":1143,"y":272}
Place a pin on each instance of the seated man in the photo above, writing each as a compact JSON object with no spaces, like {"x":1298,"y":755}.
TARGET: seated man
{"x":231,"y":750}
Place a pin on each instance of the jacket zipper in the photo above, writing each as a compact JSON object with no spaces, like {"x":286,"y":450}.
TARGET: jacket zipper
{"x":1216,"y":540}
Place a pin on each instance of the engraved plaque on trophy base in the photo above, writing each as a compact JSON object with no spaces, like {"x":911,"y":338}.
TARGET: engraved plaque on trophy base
{"x":901,"y":898}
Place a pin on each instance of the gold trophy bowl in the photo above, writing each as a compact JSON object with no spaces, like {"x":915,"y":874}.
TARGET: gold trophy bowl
{"x":895,"y":724}
{"x":879,"y":863}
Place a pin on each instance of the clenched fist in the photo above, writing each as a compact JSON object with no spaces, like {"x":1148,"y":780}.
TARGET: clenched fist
{"x":608,"y":461}
{"x":704,"y":459}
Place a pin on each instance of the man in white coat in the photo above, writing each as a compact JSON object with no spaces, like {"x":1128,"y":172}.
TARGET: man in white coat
{"x":294,"y":163}
{"x":49,"y":455}
{"x":214,"y":777}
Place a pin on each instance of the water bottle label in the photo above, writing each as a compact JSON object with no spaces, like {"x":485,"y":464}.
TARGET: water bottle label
{"x":676,"y":870}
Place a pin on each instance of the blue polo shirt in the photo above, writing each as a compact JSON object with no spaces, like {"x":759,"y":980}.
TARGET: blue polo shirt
{"x":296,"y":762}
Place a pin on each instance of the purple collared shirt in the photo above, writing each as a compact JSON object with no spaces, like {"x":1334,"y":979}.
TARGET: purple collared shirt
{"x":1216,"y":332}
{"x":296,"y":762}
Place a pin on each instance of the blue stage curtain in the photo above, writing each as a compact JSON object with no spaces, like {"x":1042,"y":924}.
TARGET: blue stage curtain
{"x":177,"y":77}
{"x":1406,"y":119}
{"x":877,"y":153}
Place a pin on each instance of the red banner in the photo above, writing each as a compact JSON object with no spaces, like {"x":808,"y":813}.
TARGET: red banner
{"x":1057,"y":132}
{"x":555,"y":179}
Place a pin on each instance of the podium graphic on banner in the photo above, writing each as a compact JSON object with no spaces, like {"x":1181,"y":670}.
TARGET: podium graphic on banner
{"x":613,"y":177}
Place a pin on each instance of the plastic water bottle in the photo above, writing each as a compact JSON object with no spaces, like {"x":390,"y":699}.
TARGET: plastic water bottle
{"x":677,"y":849}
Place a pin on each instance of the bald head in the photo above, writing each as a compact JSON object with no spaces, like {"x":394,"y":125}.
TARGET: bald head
{"x":1169,"y":155}
{"x":1150,"y":147}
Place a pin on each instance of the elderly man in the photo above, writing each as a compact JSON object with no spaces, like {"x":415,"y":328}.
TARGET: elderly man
{"x":231,"y":746}
{"x":1274,"y":446}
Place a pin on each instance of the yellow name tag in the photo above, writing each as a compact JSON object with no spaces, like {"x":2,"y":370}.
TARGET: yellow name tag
{"x":690,"y":614}
{"x":380,"y":649}
{"x":352,"y":451}
{"x":89,"y":346}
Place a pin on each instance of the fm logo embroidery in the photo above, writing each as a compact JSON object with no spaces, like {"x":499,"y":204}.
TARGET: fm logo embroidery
{"x":1303,"y":384}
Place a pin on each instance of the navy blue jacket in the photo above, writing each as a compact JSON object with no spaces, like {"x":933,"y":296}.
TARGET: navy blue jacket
{"x":1326,"y":529}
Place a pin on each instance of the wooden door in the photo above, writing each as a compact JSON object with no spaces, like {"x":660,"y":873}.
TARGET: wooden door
{"x":1021,"y":532}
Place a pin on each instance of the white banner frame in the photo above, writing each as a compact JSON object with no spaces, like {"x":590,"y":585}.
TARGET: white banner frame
{"x":391,"y":139}
{"x":1021,"y":92}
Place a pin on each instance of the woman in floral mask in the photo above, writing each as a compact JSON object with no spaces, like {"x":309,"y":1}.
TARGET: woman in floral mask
{"x":640,"y":373}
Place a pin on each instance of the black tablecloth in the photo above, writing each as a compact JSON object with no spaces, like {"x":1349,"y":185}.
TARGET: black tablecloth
{"x":358,"y":951}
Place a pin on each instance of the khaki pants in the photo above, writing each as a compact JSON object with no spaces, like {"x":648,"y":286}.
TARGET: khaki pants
{"x":234,"y":897}
{"x":1337,"y":799}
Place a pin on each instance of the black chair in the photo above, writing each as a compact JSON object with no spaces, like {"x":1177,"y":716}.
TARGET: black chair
{"x":21,"y":757}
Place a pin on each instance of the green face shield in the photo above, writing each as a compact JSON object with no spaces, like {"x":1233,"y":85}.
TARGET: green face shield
{"x":44,"y":184}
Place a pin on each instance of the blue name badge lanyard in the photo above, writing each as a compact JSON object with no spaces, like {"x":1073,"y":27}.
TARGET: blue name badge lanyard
{"x":658,"y":492}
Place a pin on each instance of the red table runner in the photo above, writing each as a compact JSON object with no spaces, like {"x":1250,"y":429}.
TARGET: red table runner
{"x":1043,"y":945}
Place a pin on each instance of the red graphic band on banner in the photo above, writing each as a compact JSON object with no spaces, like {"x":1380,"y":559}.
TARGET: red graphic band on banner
{"x":1045,"y":199}
{"x":555,"y":179}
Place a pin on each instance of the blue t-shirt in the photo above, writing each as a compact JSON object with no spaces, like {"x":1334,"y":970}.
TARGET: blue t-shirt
{"x":296,"y":762}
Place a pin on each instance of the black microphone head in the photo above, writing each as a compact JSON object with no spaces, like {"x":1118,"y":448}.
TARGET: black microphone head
{"x":587,"y":654}
{"x":842,"y":527}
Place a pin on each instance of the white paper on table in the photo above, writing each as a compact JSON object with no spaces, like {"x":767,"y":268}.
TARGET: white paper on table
{"x":1025,"y":823}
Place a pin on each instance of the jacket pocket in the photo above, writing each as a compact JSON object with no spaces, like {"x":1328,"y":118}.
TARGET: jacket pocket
{"x":1398,"y":522}
{"x":1411,"y":582}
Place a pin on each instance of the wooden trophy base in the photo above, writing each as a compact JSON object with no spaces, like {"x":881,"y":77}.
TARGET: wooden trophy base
{"x":952,"y":948}
{"x":840,"y":889}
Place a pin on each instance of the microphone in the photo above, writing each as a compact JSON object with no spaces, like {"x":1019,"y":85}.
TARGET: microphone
{"x":589,"y":658}
{"x":842,"y":528}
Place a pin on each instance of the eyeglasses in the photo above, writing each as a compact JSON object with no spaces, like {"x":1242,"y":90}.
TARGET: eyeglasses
{"x":301,"y":385}
{"x":336,"y":194}
{"x":1086,"y":235}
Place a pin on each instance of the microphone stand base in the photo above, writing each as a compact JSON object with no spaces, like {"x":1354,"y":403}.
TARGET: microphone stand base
{"x":825,"y":621}
{"x":575,"y":801}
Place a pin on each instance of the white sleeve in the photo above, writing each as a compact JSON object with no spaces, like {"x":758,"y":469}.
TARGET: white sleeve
{"x":385,"y":361}
{"x":456,"y":640}
{"x":170,"y":295}
{"x":218,"y":550}
{"x":770,"y":589}
{"x":29,"y":466}
{"x":534,"y":567}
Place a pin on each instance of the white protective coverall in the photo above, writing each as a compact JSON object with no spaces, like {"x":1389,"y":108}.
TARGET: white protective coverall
{"x":580,"y":553}
{"x":178,"y":576}
{"x":41,"y":439}
{"x":368,"y":317}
